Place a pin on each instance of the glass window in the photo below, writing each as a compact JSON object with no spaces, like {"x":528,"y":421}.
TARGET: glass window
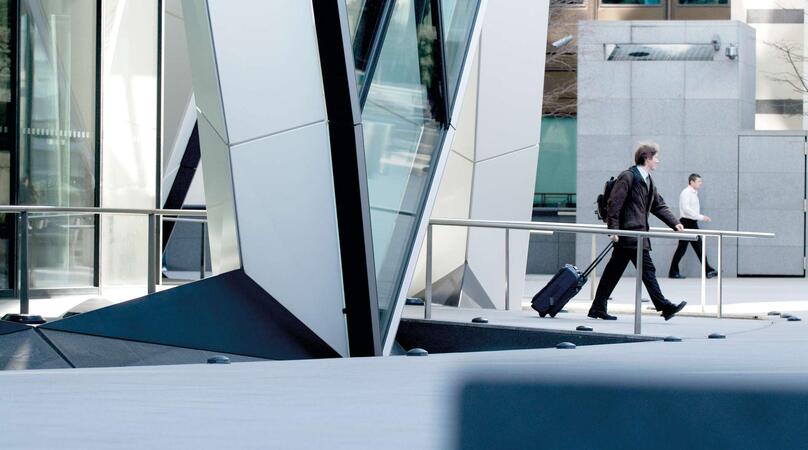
{"x":565,"y":3}
{"x":630,"y":2}
{"x":6,"y":137}
{"x":402,"y":132}
{"x":365,"y":20}
{"x":355,"y":8}
{"x":458,"y":18}
{"x":703,"y":2}
{"x":57,"y":153}
{"x":556,"y":173}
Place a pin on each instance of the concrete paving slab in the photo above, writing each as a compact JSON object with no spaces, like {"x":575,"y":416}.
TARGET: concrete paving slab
{"x":684,"y":327}
{"x":741,"y":296}
{"x":391,"y":403}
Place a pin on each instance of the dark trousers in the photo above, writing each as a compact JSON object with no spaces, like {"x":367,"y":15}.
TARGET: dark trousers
{"x":614,"y":270}
{"x":681,"y":249}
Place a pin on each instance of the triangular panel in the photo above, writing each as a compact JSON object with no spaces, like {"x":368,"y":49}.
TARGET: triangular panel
{"x":226,"y":313}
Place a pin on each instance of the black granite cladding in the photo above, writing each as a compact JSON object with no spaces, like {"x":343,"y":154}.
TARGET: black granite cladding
{"x":453,"y":337}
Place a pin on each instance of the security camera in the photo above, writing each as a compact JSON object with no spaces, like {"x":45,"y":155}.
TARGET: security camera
{"x":731,"y":51}
{"x":562,"y":42}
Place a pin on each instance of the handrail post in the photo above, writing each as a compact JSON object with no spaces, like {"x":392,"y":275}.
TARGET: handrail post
{"x":719,"y":300}
{"x":23,"y":249}
{"x":202,"y":250}
{"x":428,"y":282}
{"x":158,"y":250}
{"x":638,"y":288}
{"x":703,"y":272}
{"x":151,"y":276}
{"x":594,"y":274}
{"x":507,"y":269}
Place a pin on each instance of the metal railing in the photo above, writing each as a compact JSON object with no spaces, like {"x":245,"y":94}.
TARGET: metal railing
{"x":547,"y":228}
{"x":202,"y":244}
{"x":153,"y":243}
{"x":719,"y":234}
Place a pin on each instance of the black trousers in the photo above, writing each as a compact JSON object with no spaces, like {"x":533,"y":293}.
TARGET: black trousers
{"x":614,"y":270}
{"x":681,"y":249}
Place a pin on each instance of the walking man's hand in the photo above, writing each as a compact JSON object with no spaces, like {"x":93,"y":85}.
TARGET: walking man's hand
{"x":614,"y":238}
{"x":707,"y":218}
{"x":679,"y":227}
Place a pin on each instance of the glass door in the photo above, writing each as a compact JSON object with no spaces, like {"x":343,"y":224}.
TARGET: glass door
{"x":7,"y":131}
{"x":57,"y":137}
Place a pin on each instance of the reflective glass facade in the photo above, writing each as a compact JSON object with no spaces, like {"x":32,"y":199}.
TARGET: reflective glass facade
{"x":57,"y":137}
{"x":458,"y":17}
{"x":630,"y":2}
{"x":409,"y":54}
{"x":7,"y":40}
{"x":556,"y":173}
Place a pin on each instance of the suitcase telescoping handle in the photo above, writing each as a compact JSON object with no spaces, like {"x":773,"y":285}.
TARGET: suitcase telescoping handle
{"x":598,"y":259}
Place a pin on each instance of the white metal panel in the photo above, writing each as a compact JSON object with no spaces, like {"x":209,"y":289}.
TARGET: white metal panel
{"x":466,"y":122}
{"x":503,"y":190}
{"x":203,"y":64}
{"x":511,"y":76}
{"x":449,"y":243}
{"x":268,"y":66}
{"x":179,"y":107}
{"x":174,"y":152}
{"x":222,"y":225}
{"x":288,"y":226}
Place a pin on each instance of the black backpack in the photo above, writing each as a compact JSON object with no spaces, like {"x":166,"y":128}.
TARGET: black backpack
{"x":602,"y":201}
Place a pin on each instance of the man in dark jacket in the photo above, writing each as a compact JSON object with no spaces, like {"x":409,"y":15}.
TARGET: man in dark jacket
{"x":634,"y":196}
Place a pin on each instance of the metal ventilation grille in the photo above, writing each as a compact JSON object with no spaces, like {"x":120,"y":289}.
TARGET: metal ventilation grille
{"x":660,"y":52}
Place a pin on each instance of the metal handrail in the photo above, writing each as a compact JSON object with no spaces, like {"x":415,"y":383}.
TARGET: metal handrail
{"x":153,"y":214}
{"x":544,"y":227}
{"x":700,"y":232}
{"x":102,"y":210}
{"x":718,"y":234}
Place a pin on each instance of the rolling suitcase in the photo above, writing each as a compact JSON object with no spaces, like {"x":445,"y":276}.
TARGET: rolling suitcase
{"x":563,"y":286}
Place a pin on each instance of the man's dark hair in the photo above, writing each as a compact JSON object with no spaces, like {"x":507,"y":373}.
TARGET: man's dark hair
{"x":644,"y":152}
{"x":693,"y":177}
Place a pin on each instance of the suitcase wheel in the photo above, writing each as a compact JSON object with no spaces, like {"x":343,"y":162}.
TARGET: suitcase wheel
{"x":542,"y":314}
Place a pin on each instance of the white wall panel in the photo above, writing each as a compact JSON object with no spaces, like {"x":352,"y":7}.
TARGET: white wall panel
{"x":179,"y":108}
{"x":129,"y":130}
{"x":503,"y":190}
{"x":222,"y":226}
{"x":288,"y":229}
{"x":262,"y":93}
{"x":203,"y":65}
{"x":511,"y":76}
{"x":449,"y":243}
{"x":173,"y":153}
{"x":466,"y":123}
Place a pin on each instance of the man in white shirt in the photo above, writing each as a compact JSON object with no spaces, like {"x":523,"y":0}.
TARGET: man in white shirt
{"x":689,"y":216}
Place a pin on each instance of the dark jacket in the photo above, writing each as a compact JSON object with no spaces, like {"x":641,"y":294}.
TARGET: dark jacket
{"x":629,"y":204}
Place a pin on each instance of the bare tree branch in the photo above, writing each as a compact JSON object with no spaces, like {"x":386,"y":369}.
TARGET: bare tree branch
{"x":560,"y":88}
{"x":793,"y":55}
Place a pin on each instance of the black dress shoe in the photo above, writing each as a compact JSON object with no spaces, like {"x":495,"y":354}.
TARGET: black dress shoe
{"x":671,"y":311}
{"x":601,"y":315}
{"x":677,"y":276}
{"x":712,"y":274}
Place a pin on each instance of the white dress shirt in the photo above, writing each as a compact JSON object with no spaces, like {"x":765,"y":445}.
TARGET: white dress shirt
{"x":644,"y":174}
{"x":689,"y":204}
